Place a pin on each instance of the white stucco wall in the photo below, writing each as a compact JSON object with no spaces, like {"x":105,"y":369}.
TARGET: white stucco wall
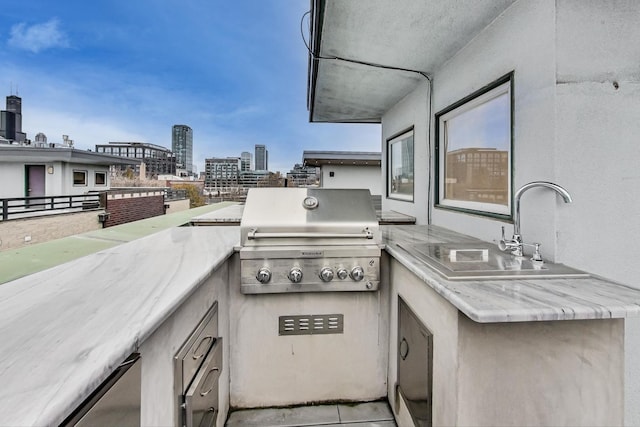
{"x":66,"y":178}
{"x":60,"y":182}
{"x":597,"y":151}
{"x":412,"y":111}
{"x":11,"y":180}
{"x":572,"y":126}
{"x":350,"y":176}
{"x":521,"y":40}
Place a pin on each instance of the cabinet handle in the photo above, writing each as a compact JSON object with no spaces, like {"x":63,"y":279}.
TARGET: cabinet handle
{"x":210,"y":381}
{"x":403,"y":348}
{"x":202,"y":347}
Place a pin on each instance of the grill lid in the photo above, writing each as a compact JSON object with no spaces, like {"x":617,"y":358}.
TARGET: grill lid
{"x":289,"y":215}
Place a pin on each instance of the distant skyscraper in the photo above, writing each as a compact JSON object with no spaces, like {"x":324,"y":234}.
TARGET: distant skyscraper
{"x":245,"y":161}
{"x":11,"y":120}
{"x":222,"y":173}
{"x":262,"y":158}
{"x":158,"y":160}
{"x":182,"y":147}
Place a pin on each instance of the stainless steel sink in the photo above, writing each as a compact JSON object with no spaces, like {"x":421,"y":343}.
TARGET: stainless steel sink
{"x":478,"y":261}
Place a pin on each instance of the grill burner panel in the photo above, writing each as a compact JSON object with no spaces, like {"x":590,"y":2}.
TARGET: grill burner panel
{"x":309,"y":240}
{"x":311,"y":280}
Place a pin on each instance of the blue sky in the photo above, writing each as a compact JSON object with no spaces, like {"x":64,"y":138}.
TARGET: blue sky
{"x":485,"y":126}
{"x":115,"y":70}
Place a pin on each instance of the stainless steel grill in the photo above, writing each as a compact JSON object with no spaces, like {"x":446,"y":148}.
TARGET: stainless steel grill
{"x":309,"y":240}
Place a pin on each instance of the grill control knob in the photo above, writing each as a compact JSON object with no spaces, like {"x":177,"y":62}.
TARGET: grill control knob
{"x":357,"y":273}
{"x":342,"y":273}
{"x":264,"y":275}
{"x":326,"y":274}
{"x":295,"y":275}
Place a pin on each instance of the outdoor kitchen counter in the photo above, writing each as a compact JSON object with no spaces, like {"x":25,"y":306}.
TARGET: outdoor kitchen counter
{"x":513,"y":300}
{"x":65,"y":329}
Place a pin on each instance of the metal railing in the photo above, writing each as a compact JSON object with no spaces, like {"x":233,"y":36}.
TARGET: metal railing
{"x":24,"y":207}
{"x":173,"y":194}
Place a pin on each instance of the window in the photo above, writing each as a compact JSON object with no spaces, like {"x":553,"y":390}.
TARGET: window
{"x":79,"y":177}
{"x":101,"y":178}
{"x":400,"y":167}
{"x":473,"y":152}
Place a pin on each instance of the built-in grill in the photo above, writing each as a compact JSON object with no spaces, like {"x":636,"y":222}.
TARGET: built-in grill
{"x":309,"y":240}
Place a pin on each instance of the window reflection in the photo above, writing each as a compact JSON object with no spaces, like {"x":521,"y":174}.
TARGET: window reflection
{"x":474,"y":140}
{"x":400,"y":167}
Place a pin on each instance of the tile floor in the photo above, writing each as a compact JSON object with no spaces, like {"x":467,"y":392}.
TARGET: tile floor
{"x":370,"y":414}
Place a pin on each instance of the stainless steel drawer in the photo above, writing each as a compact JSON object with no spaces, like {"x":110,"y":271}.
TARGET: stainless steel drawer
{"x":196,"y":347}
{"x":197,"y":367}
{"x":201,"y":399}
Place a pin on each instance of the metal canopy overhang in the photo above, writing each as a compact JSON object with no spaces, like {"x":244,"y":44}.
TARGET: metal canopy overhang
{"x":353,"y":41}
{"x":68,"y":155}
{"x":320,"y":158}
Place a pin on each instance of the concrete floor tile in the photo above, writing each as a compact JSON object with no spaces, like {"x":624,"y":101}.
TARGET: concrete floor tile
{"x":285,"y":417}
{"x":367,"y":424}
{"x":365,"y":412}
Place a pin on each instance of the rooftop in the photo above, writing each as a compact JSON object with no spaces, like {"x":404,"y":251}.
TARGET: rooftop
{"x":31,"y":259}
{"x":12,"y":153}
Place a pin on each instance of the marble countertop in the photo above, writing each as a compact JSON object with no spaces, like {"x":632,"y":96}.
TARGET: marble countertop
{"x":232,"y":215}
{"x":513,"y":300}
{"x":60,"y":336}
{"x":64,"y":330}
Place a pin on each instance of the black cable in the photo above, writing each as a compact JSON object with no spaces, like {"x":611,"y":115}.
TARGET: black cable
{"x":388,"y":67}
{"x":353,"y":61}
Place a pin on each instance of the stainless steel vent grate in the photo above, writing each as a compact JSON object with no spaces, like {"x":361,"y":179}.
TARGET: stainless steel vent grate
{"x":311,"y":325}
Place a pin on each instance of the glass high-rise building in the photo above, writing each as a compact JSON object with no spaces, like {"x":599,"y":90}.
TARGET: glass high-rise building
{"x":182,"y":147}
{"x":11,"y":120}
{"x":262,"y":158}
{"x":246,"y":158}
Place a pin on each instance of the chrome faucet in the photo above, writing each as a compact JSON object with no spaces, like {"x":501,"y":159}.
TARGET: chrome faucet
{"x":515,"y":244}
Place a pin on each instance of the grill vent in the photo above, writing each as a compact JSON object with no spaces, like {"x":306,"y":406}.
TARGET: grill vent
{"x":314,"y":324}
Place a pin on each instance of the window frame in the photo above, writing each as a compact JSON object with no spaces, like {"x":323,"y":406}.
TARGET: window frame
{"x":495,"y":89}
{"x":85,"y":173}
{"x":95,"y":177}
{"x":399,"y":138}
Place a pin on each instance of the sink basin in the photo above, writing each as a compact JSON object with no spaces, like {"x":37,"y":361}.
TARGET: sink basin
{"x":478,"y":261}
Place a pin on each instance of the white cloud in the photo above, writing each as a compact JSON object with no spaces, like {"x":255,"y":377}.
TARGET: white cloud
{"x":38,"y":37}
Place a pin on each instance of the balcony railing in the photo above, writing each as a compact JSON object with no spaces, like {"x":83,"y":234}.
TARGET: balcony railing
{"x":173,"y":194}
{"x":24,"y":207}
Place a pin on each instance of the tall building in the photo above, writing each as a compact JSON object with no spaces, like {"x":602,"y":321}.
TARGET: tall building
{"x":11,"y":120}
{"x":182,"y":146}
{"x":303,"y":176}
{"x":222,"y":174}
{"x":158,"y":160}
{"x":246,"y":158}
{"x":262,"y":158}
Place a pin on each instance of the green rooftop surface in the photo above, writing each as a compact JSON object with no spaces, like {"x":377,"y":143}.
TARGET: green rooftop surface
{"x":16,"y":263}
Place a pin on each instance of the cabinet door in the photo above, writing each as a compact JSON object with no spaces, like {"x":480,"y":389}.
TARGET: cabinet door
{"x":415,"y":365}
{"x":116,"y":402}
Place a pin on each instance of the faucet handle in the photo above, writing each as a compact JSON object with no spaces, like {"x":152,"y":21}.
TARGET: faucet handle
{"x":537,"y":256}
{"x":502,"y":245}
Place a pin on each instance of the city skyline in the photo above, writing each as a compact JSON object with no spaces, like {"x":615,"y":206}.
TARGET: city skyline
{"x":90,"y":72}
{"x":181,"y":150}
